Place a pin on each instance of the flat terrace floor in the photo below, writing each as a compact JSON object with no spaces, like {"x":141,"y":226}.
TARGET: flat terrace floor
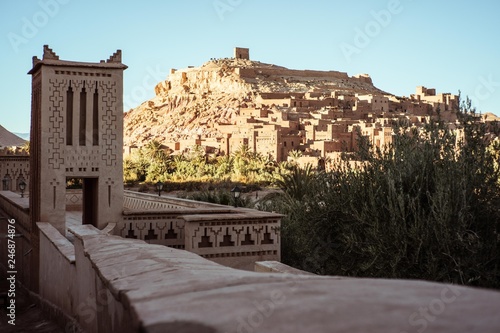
{"x":73,"y":219}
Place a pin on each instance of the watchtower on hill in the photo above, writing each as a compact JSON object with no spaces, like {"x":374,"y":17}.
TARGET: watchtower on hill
{"x":241,"y":53}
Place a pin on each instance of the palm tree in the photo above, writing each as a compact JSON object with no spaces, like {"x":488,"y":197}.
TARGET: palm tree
{"x":154,"y":151}
{"x":241,"y":158}
{"x":295,"y":155}
{"x":297,"y":183}
{"x":243,"y":152}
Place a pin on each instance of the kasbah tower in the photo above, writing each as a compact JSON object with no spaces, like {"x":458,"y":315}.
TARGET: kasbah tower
{"x":76,"y":132}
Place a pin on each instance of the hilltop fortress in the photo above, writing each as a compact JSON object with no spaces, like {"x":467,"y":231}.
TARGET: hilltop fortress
{"x":230,"y":102}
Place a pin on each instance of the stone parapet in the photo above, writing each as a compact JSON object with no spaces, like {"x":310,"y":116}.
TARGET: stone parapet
{"x":16,"y":208}
{"x":235,"y":237}
{"x":145,"y":201}
{"x":124,"y":285}
{"x":278,"y":267}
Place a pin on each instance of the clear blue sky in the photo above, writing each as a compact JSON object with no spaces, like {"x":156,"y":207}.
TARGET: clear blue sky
{"x":448,"y":45}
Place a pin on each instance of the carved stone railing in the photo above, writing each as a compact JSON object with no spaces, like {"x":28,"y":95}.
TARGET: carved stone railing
{"x":235,"y":237}
{"x":236,"y":240}
{"x":14,"y":168}
{"x":154,"y":227}
{"x":145,"y":201}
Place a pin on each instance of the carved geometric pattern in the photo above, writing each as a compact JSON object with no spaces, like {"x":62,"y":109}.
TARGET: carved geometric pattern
{"x":48,"y":53}
{"x":109,"y":119}
{"x":241,"y":254}
{"x":76,"y":157}
{"x":140,"y":229}
{"x":205,"y":240}
{"x":267,"y":238}
{"x":164,"y":231}
{"x":208,"y":235}
{"x":234,"y":235}
{"x":227,"y":239}
{"x":74,"y":198}
{"x":14,"y":171}
{"x":248,"y":238}
{"x":115,"y":57}
{"x":171,"y":234}
{"x":56,"y":119}
{"x":130,"y":233}
{"x":151,"y":233}
{"x":82,"y":73}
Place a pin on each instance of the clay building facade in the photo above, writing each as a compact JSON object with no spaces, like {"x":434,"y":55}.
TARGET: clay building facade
{"x":79,"y":103}
{"x":275,"y":122}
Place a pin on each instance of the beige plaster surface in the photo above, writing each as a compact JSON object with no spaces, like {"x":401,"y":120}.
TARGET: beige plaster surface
{"x":173,"y":290}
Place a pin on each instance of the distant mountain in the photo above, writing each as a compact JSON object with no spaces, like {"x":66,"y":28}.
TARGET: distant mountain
{"x":8,"y":139}
{"x":24,"y":136}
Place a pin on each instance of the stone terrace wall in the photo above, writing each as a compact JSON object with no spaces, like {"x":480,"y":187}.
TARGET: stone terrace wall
{"x":235,"y":240}
{"x":154,"y":227}
{"x":14,"y":168}
{"x":124,"y":285}
{"x":144,"y":201}
{"x":57,"y":269}
{"x":17,"y":208}
{"x":235,"y":237}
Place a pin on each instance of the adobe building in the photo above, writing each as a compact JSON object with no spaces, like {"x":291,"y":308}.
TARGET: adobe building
{"x":76,"y":132}
{"x":241,"y":53}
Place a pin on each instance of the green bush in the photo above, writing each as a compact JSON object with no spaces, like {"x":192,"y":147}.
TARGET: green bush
{"x":219,"y":195}
{"x":426,"y":207}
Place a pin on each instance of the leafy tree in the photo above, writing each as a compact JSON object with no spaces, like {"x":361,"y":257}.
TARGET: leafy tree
{"x":425,"y":207}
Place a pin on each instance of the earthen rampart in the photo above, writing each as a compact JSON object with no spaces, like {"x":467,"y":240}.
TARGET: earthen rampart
{"x":254,"y":72}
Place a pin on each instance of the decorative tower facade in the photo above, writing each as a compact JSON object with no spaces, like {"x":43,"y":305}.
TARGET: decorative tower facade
{"x":76,"y":132}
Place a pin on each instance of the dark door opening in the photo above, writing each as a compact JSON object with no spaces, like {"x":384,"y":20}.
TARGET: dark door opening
{"x":90,"y":201}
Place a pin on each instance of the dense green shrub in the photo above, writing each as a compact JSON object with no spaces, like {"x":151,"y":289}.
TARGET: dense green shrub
{"x":218,"y":196}
{"x":152,"y":163}
{"x":425,"y":207}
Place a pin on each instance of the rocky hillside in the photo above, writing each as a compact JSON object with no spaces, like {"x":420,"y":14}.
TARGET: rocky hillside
{"x":194,"y":101}
{"x":8,"y":139}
